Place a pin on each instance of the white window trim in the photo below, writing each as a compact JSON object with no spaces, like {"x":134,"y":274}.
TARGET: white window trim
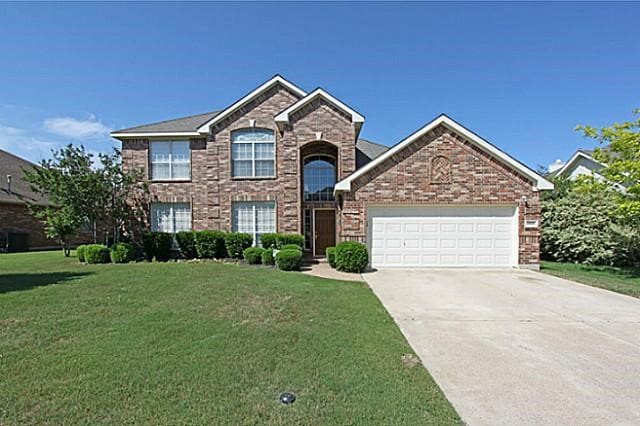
{"x":170,"y":178}
{"x":254,"y":229}
{"x":173,"y":217}
{"x":253,"y":144}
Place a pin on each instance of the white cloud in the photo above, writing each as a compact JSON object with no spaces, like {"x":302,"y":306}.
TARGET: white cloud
{"x":9,"y":131}
{"x":76,"y":129}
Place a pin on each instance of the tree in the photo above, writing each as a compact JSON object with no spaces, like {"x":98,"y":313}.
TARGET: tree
{"x":621,"y":158}
{"x":102,"y":195}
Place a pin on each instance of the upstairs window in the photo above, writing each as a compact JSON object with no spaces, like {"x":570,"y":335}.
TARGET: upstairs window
{"x":170,"y":160}
{"x":319,"y":178}
{"x":253,"y":153}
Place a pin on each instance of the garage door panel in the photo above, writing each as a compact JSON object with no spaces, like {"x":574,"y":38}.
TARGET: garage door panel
{"x":432,"y":237}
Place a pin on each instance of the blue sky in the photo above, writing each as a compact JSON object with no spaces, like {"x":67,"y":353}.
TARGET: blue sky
{"x":520,"y":75}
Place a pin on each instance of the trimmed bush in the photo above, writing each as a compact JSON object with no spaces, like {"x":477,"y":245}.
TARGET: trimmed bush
{"x":80,"y":252}
{"x":253,"y":255}
{"x":157,"y":245}
{"x":210,"y":244}
{"x":269,"y":240}
{"x":278,"y":241}
{"x":267,"y":257}
{"x":187,"y":244}
{"x":236,"y":242}
{"x":289,"y":260}
{"x":291,"y":247}
{"x":331,"y":256}
{"x":122,"y":253}
{"x":287,"y":239}
{"x":351,"y":256}
{"x":96,"y":253}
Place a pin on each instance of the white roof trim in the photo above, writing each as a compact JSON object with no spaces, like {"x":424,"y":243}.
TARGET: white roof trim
{"x":154,"y":134}
{"x":229,"y":110}
{"x":573,"y":159}
{"x":283,"y":117}
{"x":540,"y":182}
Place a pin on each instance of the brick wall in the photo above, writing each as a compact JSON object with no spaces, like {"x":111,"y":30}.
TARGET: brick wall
{"x":441,"y":168}
{"x":212,"y":190}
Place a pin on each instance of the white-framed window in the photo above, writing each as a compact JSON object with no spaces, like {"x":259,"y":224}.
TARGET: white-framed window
{"x":254,"y":219}
{"x":170,"y":160}
{"x":170,"y":217}
{"x":253,"y":152}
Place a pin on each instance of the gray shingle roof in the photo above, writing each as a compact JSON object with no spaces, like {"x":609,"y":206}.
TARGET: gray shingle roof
{"x":20,"y":190}
{"x":367,"y":151}
{"x":183,"y":124}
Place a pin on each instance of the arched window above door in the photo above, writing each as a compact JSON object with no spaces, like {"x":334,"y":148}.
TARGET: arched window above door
{"x":319,"y":178}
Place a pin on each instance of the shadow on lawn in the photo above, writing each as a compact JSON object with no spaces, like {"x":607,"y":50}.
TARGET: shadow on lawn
{"x":19,"y":282}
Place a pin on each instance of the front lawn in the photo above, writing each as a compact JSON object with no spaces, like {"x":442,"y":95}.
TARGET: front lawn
{"x":200,"y":343}
{"x":621,"y":280}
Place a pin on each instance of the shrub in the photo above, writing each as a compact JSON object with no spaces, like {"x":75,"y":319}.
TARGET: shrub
{"x":253,"y":255}
{"x":236,"y":242}
{"x":269,"y":240}
{"x":210,"y":244}
{"x":158,"y":245}
{"x":583,"y":227}
{"x":187,"y":244}
{"x":289,"y":260}
{"x":287,"y":239}
{"x":331,"y":256}
{"x":96,"y":253}
{"x":267,"y":257}
{"x":80,"y":252}
{"x":122,"y":253}
{"x":351,"y":256}
{"x":291,"y":247}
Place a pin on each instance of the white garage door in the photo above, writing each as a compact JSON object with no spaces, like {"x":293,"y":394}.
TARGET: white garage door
{"x":442,"y":236}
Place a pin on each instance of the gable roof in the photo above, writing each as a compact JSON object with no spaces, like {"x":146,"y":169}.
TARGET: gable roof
{"x":283,"y":117}
{"x":277,"y":79}
{"x":184,"y":126}
{"x":581,"y":153}
{"x":20,"y":192}
{"x":540,"y":183}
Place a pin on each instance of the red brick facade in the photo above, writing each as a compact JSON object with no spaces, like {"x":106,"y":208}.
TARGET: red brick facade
{"x":18,"y":218}
{"x":470,"y":176}
{"x":440,"y":168}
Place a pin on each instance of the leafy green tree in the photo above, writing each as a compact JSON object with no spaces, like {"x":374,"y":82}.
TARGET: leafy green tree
{"x":622,"y":161}
{"x":60,"y":224}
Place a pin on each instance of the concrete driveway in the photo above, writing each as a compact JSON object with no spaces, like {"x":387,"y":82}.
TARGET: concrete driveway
{"x":520,"y":347}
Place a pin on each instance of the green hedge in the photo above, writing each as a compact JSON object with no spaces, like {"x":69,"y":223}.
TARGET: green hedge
{"x":351,"y":256}
{"x":331,"y":256}
{"x":267,"y":257}
{"x":80,"y":252}
{"x":236,"y":242}
{"x":291,"y":247}
{"x":122,"y":253}
{"x":96,"y":253}
{"x":157,"y":245}
{"x":253,"y":255}
{"x":210,"y":244}
{"x":187,"y":244}
{"x":289,"y":260}
{"x":278,"y":241}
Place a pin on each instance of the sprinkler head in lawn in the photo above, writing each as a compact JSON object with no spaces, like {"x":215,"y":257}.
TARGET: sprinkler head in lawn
{"x":287,"y":398}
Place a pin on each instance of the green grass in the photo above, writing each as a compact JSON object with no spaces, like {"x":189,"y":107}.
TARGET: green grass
{"x":620,"y":280}
{"x":200,"y":343}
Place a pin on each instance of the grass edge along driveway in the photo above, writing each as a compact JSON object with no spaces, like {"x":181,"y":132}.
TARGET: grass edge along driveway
{"x":200,"y":343}
{"x":621,"y":280}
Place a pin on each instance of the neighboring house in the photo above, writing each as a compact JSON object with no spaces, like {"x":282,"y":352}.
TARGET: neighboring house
{"x":19,"y":229}
{"x":581,"y":163}
{"x":281,"y":159}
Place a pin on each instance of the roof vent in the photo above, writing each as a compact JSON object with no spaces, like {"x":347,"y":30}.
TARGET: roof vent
{"x":9,"y":184}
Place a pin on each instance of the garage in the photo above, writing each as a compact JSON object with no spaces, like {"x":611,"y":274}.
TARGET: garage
{"x":442,"y":236}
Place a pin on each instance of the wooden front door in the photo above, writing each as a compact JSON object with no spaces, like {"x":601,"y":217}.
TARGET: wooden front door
{"x":325,"y":231}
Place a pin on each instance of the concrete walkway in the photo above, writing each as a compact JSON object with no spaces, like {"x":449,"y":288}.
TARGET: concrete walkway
{"x":323,"y":270}
{"x":520,"y":347}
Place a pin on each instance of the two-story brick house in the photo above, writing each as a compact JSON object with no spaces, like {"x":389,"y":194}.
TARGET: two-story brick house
{"x":284,"y":160}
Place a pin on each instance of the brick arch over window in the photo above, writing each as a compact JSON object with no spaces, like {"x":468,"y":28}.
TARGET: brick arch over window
{"x":440,"y":169}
